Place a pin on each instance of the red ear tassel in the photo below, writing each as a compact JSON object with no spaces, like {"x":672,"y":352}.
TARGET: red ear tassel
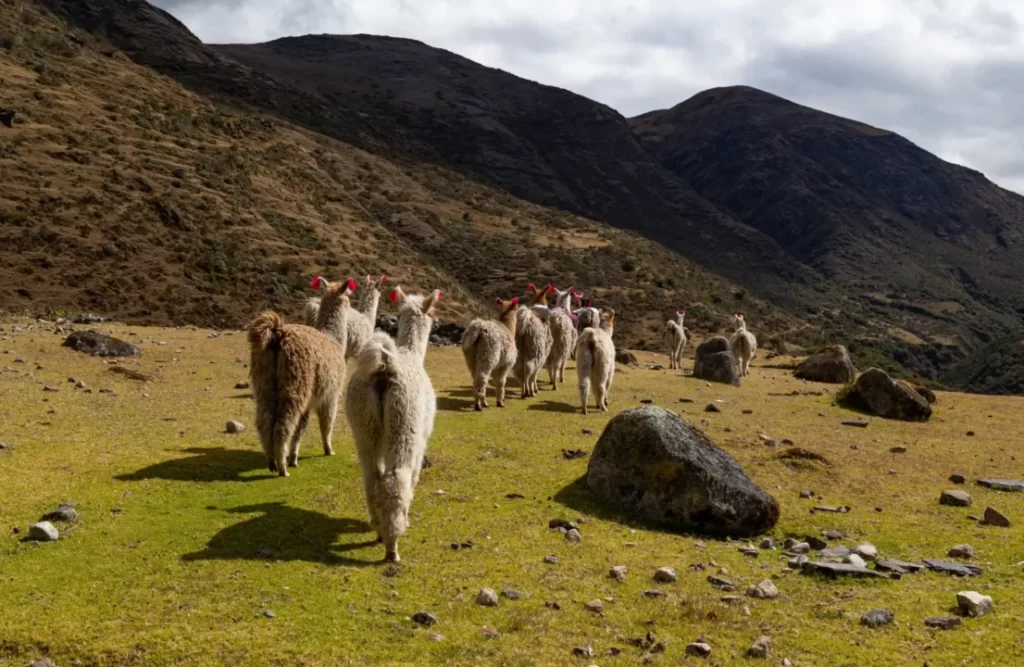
{"x":550,"y":288}
{"x":530,"y":287}
{"x":383,"y":279}
{"x":497,"y":302}
{"x":440,"y":295}
{"x":316,"y":282}
{"x":393,"y":296}
{"x":515,"y":301}
{"x":351,"y":285}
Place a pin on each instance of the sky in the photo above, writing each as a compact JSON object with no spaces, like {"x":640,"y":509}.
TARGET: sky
{"x":946,"y":74}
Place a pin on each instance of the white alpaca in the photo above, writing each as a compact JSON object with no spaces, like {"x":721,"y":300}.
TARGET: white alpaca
{"x":489,"y":347}
{"x":390,"y":405}
{"x":675,"y":338}
{"x":533,"y":341}
{"x":369,"y":299}
{"x":595,"y":361}
{"x":311,"y":311}
{"x":335,"y":321}
{"x":563,"y":336}
{"x":744,"y":345}
{"x":586,"y":314}
{"x":357,"y":328}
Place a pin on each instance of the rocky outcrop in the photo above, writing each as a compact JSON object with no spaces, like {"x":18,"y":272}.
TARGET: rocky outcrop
{"x":879,"y":394}
{"x":652,"y":464}
{"x":100,"y":345}
{"x":714,"y":362}
{"x":831,"y":364}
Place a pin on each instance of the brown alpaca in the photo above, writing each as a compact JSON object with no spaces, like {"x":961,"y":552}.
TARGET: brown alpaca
{"x":295,"y":369}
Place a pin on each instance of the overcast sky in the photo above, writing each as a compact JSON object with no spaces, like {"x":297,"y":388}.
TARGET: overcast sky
{"x":947,"y":74}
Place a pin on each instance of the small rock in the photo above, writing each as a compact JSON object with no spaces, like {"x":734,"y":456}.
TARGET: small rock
{"x":550,"y":560}
{"x":897,"y":450}
{"x":234,"y":427}
{"x":487,"y":598}
{"x":424,"y":618}
{"x":761,"y":648}
{"x":766,"y":590}
{"x":44,"y":531}
{"x":767,"y":543}
{"x":665,"y":575}
{"x":799,"y":548}
{"x":877,"y":618}
{"x":833,"y":570}
{"x":731,"y":599}
{"x":587,"y":431}
{"x":805,"y":494}
{"x":721,"y":584}
{"x":552,"y":605}
{"x":994,"y":517}
{"x":816,"y":542}
{"x":833,"y":534}
{"x":241,"y":385}
{"x":797,"y":562}
{"x":698,"y":649}
{"x":965,"y":551}
{"x":711,"y":407}
{"x":583,"y":652}
{"x":974,"y":604}
{"x":956,"y":569}
{"x":595,"y":606}
{"x":956,"y":498}
{"x":866,"y":551}
{"x":618,"y":573}
{"x":62,"y":513}
{"x":1002,"y":484}
{"x":855,"y":560}
{"x":269,"y":614}
{"x":749,"y":550}
{"x":572,"y":535}
{"x":511,"y":594}
{"x":50,"y":389}
{"x":79,"y":385}
{"x":859,"y":423}
{"x":943,"y":622}
{"x":489,"y":633}
{"x":957,"y":479}
{"x":562,"y":523}
{"x":653,"y":593}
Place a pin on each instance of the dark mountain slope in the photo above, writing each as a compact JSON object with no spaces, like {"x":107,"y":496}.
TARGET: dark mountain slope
{"x":995,"y":369}
{"x":889,"y":222}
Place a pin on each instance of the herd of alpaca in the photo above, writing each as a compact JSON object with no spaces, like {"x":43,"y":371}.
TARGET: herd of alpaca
{"x":389,"y":400}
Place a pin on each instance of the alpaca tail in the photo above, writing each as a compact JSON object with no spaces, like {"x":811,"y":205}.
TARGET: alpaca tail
{"x":469,"y":341}
{"x":265,"y":333}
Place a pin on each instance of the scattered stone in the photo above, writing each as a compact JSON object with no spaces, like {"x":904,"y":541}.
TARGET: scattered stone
{"x":816,"y":542}
{"x":866,"y":551}
{"x":965,"y":551}
{"x":50,"y":389}
{"x":833,"y":570}
{"x":799,"y":548}
{"x":766,"y":440}
{"x":956,"y":569}
{"x":686,"y":400}
{"x":62,"y":513}
{"x":596,"y":606}
{"x":625,"y":358}
{"x":424,"y":618}
{"x":833,"y":534}
{"x":714,"y":361}
{"x":514,"y":496}
{"x":269,"y":614}
{"x":721,"y":584}
{"x":653,"y":593}
{"x":489,"y":633}
{"x":1002,"y":484}
{"x":511,"y":594}
{"x":956,"y":498}
{"x":646,"y":401}
{"x":767,"y":543}
{"x":859,"y":423}
{"x":44,"y":531}
{"x":711,"y":407}
{"x":100,"y":345}
{"x":943,"y":622}
{"x":572,"y":535}
{"x":877,"y":618}
{"x":572,"y":454}
{"x":550,"y":560}
{"x":797,"y":562}
{"x":562,"y":523}
{"x":698,"y":649}
{"x":234,"y":427}
{"x":831,"y":364}
{"x":618,"y":573}
{"x":731,"y":599}
{"x":766,"y":590}
{"x":843,"y":509}
{"x":552,"y":605}
{"x":761,"y":648}
{"x":749,"y":551}
{"x":974,"y":604}
{"x":806,"y":494}
{"x":897,"y":566}
{"x":265,"y":553}
{"x":487,"y":598}
{"x":957,"y":479}
{"x":855,"y":560}
{"x":665,"y":575}
{"x":994,"y":517}
{"x":898,"y":450}
{"x":583,"y":652}
{"x":650,"y":461}
{"x":587,"y":431}
{"x":242,"y":385}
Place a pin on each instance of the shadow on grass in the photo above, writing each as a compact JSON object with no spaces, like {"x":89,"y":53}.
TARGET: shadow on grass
{"x":287,"y":534}
{"x":237,"y":396}
{"x":554,"y":406}
{"x":454,"y":404}
{"x":210,"y":464}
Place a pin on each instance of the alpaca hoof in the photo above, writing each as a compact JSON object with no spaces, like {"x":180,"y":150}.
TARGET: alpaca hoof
{"x":477,"y":408}
{"x":272,"y":467}
{"x":392,"y":557}
{"x":293,"y":464}
{"x":282,"y":473}
{"x":380,"y":540}
{"x":328,"y":451}
{"x":501,"y":404}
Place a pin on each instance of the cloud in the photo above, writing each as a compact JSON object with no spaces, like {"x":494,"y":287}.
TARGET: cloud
{"x":943,"y":73}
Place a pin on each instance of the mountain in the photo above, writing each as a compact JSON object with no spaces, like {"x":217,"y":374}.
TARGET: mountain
{"x":994,"y":369}
{"x":126,"y":194}
{"x":931,"y":246}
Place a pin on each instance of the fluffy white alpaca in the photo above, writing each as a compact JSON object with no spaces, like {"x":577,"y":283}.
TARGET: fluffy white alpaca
{"x":533,"y":340}
{"x":369,"y":299}
{"x":675,"y":338}
{"x":744,"y":345}
{"x":489,"y":347}
{"x":390,"y":405}
{"x":563,"y":336}
{"x":586,"y":314}
{"x":357,"y":329}
{"x":311,"y":311}
{"x":595,"y":361}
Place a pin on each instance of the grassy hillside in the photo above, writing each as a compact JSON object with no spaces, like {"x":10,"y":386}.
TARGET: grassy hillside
{"x":126,"y":194}
{"x":184,"y":540}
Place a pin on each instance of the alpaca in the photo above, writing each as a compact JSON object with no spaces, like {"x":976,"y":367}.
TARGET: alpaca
{"x":489,"y":347}
{"x":311,"y":311}
{"x":369,"y":299}
{"x":533,"y":340}
{"x":294,"y":370}
{"x":563,"y":337}
{"x":595,"y":361}
{"x":348,"y":327}
{"x":586,"y":314}
{"x":390,"y":405}
{"x":744,"y":345}
{"x":675,"y":337}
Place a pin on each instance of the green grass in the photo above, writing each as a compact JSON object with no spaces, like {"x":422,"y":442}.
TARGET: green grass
{"x":162,"y":567}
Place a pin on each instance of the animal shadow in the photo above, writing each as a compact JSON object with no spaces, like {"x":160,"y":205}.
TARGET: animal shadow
{"x":210,"y":464}
{"x":554,"y":406}
{"x":286,"y":534}
{"x":453,"y":404}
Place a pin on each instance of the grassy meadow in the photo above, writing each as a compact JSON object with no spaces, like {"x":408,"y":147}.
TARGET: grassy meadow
{"x":184,"y":541}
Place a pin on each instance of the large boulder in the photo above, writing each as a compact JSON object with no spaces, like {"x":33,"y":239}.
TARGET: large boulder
{"x":100,"y":345}
{"x":885,"y":397}
{"x":651,"y":463}
{"x":715,"y":362}
{"x":831,"y":364}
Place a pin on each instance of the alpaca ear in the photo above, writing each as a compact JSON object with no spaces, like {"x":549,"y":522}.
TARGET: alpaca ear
{"x":369,"y":280}
{"x":497,"y":302}
{"x":318,"y":283}
{"x":431,"y":302}
{"x":529,"y":287}
{"x":515,"y":301}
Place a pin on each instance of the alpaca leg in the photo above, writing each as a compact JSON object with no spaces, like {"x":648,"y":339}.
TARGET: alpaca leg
{"x":293,"y":448}
{"x":500,"y":377}
{"x":584,"y":392}
{"x":370,"y":476}
{"x":327,"y":413}
{"x":599,"y":394}
{"x":553,"y":376}
{"x":283,"y":433}
{"x":265,"y":427}
{"x":480,"y":390}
